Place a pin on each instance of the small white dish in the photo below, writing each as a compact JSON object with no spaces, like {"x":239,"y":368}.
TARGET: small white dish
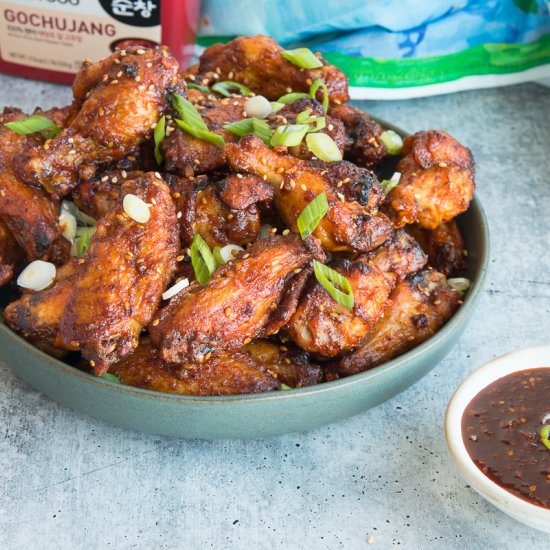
{"x":521,"y":510}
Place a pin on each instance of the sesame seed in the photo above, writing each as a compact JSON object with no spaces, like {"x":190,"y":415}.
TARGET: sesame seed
{"x":341,"y":196}
{"x":230,"y":216}
{"x":114,"y":179}
{"x":179,"y":258}
{"x":240,"y":176}
{"x":117,"y":61}
{"x":149,"y":65}
{"x":124,"y":174}
{"x":72,"y":152}
{"x":140,"y":52}
{"x":247,"y":341}
{"x":286,"y":232}
{"x":105,"y":77}
{"x":156,"y":322}
{"x":81,"y":260}
{"x":115,"y":81}
{"x":157,"y":175}
{"x":227,"y":311}
{"x":303,"y":187}
{"x":179,"y":215}
{"x":71,"y":140}
{"x":330,"y":127}
{"x":74,"y":343}
{"x":119,"y":74}
{"x":321,"y":307}
{"x":122,"y":53}
{"x":92,"y":363}
{"x":176,"y":195}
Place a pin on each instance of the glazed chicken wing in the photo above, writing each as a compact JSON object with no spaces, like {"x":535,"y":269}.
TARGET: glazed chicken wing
{"x":419,"y":306}
{"x":122,"y":277}
{"x":350,"y":223}
{"x":258,"y":367}
{"x":122,"y":97}
{"x":11,"y":254}
{"x":362,"y":144}
{"x":236,"y":304}
{"x":437,"y":180}
{"x":257,"y":62}
{"x":31,"y":215}
{"x":322,"y":326}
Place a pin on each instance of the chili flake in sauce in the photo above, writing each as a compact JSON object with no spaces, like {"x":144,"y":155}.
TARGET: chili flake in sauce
{"x":501,"y":429}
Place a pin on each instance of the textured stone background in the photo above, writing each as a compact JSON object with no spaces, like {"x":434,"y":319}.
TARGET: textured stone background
{"x":68,"y":481}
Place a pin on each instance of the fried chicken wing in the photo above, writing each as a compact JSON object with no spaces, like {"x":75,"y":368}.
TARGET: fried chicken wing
{"x":257,"y":62}
{"x":31,"y":215}
{"x":444,"y":246}
{"x":122,"y":97}
{"x":122,"y":277}
{"x":200,"y":209}
{"x":11,"y":254}
{"x":419,"y":306}
{"x":322,"y":326}
{"x":362,"y":144}
{"x":348,"y":225}
{"x":36,"y":316}
{"x":437,"y":180}
{"x":235,"y":306}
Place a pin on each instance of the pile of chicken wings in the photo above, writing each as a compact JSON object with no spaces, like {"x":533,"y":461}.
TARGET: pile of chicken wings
{"x":262,"y":320}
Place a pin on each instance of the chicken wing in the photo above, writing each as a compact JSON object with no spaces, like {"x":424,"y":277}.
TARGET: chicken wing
{"x":235,"y":306}
{"x":419,"y":306}
{"x":322,"y":326}
{"x":31,"y":215}
{"x":11,"y":254}
{"x":444,"y":246}
{"x":350,"y":223}
{"x":122,"y":277}
{"x":362,"y":145}
{"x":36,"y":316}
{"x":257,"y":62}
{"x":437,"y":180}
{"x":122,"y":97}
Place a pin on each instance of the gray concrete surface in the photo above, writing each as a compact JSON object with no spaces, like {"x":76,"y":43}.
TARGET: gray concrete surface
{"x":68,"y":481}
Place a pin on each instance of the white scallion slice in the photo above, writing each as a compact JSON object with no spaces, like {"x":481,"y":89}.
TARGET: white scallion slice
{"x":159,"y":134}
{"x":136,"y":208}
{"x":392,"y":141}
{"x":67,"y":224}
{"x":319,"y":83}
{"x":323,"y":147}
{"x":175,"y":289}
{"x":303,"y":58}
{"x":38,"y":275}
{"x":257,"y":106}
{"x":459,"y":284}
{"x":312,"y":214}
{"x":334,"y":283}
{"x":289,"y":135}
{"x":80,"y":216}
{"x":32,"y":124}
{"x":202,"y":260}
{"x":388,"y":185}
{"x":226,"y":253}
{"x":228,"y":87}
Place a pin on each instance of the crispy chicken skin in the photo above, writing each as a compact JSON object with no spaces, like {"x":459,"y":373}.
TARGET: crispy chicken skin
{"x":31,"y":215}
{"x":201,"y":210}
{"x":11,"y":254}
{"x":322,"y":326}
{"x":36,"y":316}
{"x":122,"y":97}
{"x":257,"y":62}
{"x":437,"y":180}
{"x":259,"y":367}
{"x":419,"y":306}
{"x":362,"y":143}
{"x":444,"y":246}
{"x":350,"y":225}
{"x":235,"y":305}
{"x":122,"y":277}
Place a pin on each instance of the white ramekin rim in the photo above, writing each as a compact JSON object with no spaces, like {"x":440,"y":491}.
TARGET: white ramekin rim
{"x":537,"y":357}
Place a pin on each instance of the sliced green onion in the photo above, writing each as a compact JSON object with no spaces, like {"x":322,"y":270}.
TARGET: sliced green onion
{"x":67,"y":224}
{"x":34,"y":123}
{"x":159,"y":134}
{"x":111,"y":377}
{"x":187,"y":112}
{"x":545,"y":436}
{"x":392,"y":141}
{"x":225,"y":88}
{"x":289,"y":135}
{"x":388,"y":185}
{"x":262,"y":129}
{"x":193,"y":86}
{"x":459,"y":284}
{"x":251,"y":125}
{"x":284,"y":387}
{"x":318,"y":83}
{"x":323,"y":147}
{"x":199,"y":133}
{"x":291,"y":98}
{"x":80,"y":216}
{"x":276,"y":106}
{"x":202,"y":259}
{"x":303,"y":58}
{"x":305,"y":117}
{"x":328,"y":278}
{"x":224,"y":254}
{"x":312,"y":214}
{"x":82,"y":241}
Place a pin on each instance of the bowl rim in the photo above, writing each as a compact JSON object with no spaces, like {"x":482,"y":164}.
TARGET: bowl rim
{"x":451,"y":327}
{"x":479,"y":379}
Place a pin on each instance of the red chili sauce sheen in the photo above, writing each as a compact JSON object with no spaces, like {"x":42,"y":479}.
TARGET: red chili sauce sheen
{"x":501,"y":431}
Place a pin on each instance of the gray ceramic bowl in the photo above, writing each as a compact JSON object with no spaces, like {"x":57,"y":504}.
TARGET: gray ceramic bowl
{"x":258,"y":415}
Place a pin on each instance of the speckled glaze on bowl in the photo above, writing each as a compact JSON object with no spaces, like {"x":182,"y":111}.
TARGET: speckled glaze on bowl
{"x":258,"y":415}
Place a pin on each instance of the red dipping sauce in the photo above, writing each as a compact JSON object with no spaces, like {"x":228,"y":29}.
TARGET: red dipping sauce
{"x":503,"y":431}
{"x":50,"y":40}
